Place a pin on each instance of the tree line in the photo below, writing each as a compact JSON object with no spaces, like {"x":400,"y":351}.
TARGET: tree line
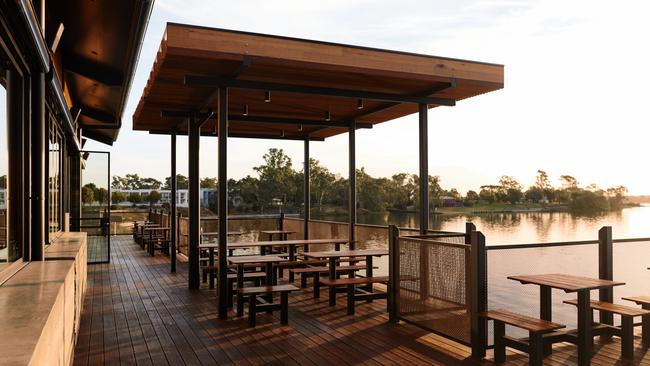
{"x":279,"y":182}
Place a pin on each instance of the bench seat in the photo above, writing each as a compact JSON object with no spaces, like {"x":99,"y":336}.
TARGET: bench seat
{"x":352,"y":296}
{"x":626,"y":330}
{"x":254,"y":307}
{"x":536,"y":328}
{"x":305,"y":272}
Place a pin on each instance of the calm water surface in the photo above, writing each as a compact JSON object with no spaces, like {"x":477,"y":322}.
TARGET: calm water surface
{"x":631,"y":260}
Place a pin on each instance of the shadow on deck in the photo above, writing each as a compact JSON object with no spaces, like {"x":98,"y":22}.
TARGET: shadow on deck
{"x":137,"y":312}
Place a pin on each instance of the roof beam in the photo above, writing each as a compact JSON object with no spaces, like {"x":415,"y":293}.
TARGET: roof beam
{"x":211,"y":81}
{"x":99,"y":116}
{"x":434,"y":90}
{"x":294,"y":121}
{"x":94,"y":71}
{"x":243,"y":135}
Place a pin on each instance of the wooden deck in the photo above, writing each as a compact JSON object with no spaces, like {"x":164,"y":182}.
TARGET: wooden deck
{"x":136,"y":312}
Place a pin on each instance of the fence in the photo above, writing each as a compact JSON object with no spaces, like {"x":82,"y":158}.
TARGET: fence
{"x":622,"y":260}
{"x":438,"y":282}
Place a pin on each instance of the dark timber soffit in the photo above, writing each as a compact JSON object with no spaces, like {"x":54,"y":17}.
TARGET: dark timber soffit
{"x":243,"y":135}
{"x":209,"y":81}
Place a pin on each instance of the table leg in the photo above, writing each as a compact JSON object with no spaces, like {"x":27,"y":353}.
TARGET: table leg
{"x":240,"y":284}
{"x":332,"y":289}
{"x":545,"y":312}
{"x":211,"y":267}
{"x":368,"y":274}
{"x":292,"y":259}
{"x":270,"y":280}
{"x":585,"y":340}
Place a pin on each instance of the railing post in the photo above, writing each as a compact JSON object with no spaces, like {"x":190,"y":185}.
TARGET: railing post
{"x":393,"y":273}
{"x":469,"y":227}
{"x":478,"y":324}
{"x":606,"y":269}
{"x":281,"y":226}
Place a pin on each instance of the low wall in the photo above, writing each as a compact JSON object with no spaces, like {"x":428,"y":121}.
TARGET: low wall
{"x":41,"y":305}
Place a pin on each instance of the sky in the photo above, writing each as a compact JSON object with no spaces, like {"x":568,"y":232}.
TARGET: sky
{"x":575,"y":99}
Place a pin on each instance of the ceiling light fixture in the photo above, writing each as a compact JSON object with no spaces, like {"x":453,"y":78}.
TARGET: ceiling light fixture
{"x":246,"y":110}
{"x":359,"y":103}
{"x":300,"y":128}
{"x":328,"y":116}
{"x":267,"y":97}
{"x":281,"y":133}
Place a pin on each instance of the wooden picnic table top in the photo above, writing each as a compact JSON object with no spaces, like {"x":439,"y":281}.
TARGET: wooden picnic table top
{"x":272,"y":232}
{"x":347,"y":253}
{"x":215,"y":233}
{"x":244,"y":259}
{"x":568,"y":283}
{"x":279,"y":243}
{"x":158,"y":228}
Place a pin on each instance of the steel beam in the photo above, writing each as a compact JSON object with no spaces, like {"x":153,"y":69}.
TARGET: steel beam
{"x":99,"y":116}
{"x":94,"y":71}
{"x":38,"y":177}
{"x":194,"y":203}
{"x":223,"y":202}
{"x":306,"y":192}
{"x":352,"y":179}
{"x":17,"y":187}
{"x":424,"y":168}
{"x":295,"y":121}
{"x":208,"y":81}
{"x":245,"y":135}
{"x":172,"y":204}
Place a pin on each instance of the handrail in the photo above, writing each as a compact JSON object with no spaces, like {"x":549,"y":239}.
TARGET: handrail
{"x":434,"y":242}
{"x":561,"y":244}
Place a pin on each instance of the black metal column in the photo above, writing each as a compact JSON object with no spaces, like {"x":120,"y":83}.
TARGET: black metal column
{"x":75,"y":190}
{"x":172,"y":205}
{"x":223,"y":202}
{"x":306,"y":193}
{"x":194,"y":134}
{"x":38,"y":178}
{"x":606,"y":270}
{"x":27,"y":169}
{"x":15,"y":225}
{"x":352,"y":176}
{"x":424,"y":169}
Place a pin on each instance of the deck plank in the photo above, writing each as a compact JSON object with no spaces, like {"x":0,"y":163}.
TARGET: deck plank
{"x":137,"y":312}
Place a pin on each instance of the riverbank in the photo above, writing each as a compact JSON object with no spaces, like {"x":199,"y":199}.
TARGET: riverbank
{"x":502,"y":208}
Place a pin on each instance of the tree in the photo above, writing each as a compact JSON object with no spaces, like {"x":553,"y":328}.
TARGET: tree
{"x":181,"y":182}
{"x":101,"y":195}
{"x":134,"y":198}
{"x":118,"y":197}
{"x":471,"y":196}
{"x":118,"y":182}
{"x":3,"y":182}
{"x":208,"y":182}
{"x":514,"y":195}
{"x":542,"y":181}
{"x":490,"y":193}
{"x":320,"y":180}
{"x":534,"y":194}
{"x":150,"y":183}
{"x":88,"y":194}
{"x":153,"y":197}
{"x":275,"y":177}
{"x":568,"y":182}
{"x":616,"y":196}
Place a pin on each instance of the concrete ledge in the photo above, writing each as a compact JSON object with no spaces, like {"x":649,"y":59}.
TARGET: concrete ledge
{"x":40,"y":306}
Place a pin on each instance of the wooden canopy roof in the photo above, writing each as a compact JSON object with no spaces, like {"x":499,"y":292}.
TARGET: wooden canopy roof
{"x":95,"y":59}
{"x":291,"y":88}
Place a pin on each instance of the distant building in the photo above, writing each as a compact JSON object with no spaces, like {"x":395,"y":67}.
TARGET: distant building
{"x":3,"y":198}
{"x":208,"y":196}
{"x":449,"y":201}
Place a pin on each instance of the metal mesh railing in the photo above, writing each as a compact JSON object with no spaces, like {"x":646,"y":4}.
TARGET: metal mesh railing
{"x":433,"y":286}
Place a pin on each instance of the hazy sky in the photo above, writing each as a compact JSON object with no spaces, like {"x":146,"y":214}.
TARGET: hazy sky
{"x":575,"y":99}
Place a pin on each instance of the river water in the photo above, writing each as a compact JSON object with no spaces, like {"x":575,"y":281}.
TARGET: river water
{"x":631,"y":260}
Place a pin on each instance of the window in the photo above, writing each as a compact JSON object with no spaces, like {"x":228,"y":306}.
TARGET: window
{"x":54,"y":185}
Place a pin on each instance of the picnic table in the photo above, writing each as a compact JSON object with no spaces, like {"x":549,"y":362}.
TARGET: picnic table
{"x":569,"y":283}
{"x":332,"y":256}
{"x":283,"y":234}
{"x":155,"y":233}
{"x":267,"y":260}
